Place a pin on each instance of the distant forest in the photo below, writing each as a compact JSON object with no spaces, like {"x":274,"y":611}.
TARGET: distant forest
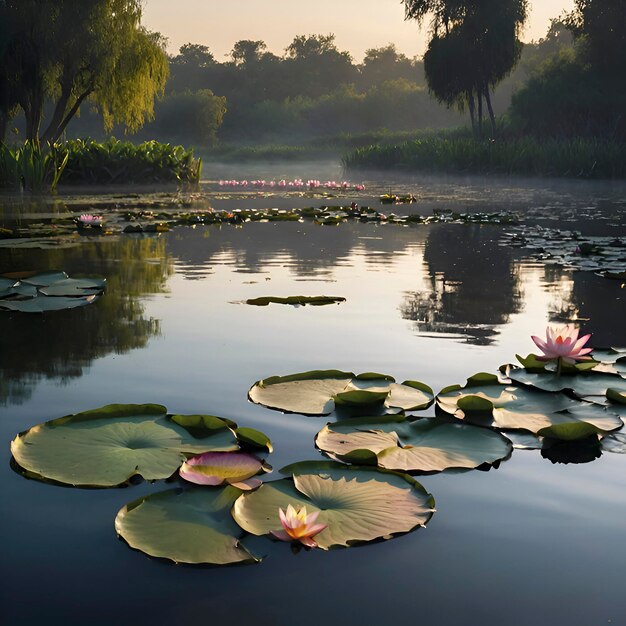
{"x":313,"y":91}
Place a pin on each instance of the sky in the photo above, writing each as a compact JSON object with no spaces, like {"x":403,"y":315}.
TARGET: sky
{"x":357,"y":24}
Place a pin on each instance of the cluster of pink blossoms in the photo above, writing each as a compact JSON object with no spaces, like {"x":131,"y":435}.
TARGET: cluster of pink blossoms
{"x":297,"y":183}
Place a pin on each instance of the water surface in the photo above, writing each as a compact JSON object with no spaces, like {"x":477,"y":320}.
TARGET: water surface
{"x":529,"y":542}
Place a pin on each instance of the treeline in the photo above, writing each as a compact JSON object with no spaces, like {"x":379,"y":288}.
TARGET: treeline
{"x":314,"y":90}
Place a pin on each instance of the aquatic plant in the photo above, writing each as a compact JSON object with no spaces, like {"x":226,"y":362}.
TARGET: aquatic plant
{"x":218,"y":468}
{"x":562,"y":343}
{"x":298,"y":526}
{"x":31,"y":167}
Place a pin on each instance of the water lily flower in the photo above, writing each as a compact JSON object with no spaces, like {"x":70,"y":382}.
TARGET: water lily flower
{"x":563,"y":343}
{"x":86,"y":219}
{"x":218,"y":468}
{"x":298,"y":526}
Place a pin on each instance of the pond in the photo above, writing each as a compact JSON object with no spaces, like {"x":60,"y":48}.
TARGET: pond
{"x":531,"y":541}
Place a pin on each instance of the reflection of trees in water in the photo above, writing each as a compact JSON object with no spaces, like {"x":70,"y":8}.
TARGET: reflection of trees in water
{"x":305,"y":248}
{"x":474,"y":284}
{"x":61,"y":344}
{"x":596,"y":304}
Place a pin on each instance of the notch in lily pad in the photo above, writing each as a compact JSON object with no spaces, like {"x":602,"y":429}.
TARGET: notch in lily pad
{"x":318,"y":392}
{"x":112,"y":445}
{"x":357,"y":505}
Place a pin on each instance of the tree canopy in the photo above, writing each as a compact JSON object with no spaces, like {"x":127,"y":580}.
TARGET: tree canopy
{"x":77,"y":51}
{"x":473,"y":46}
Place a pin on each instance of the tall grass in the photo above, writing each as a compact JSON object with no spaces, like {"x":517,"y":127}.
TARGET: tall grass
{"x":30,"y":167}
{"x":578,"y":157}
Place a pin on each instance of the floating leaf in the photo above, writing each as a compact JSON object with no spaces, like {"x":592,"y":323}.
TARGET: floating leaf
{"x":426,"y":445}
{"x":106,"y":447}
{"x":583,"y":385}
{"x":185,"y":526}
{"x":357,"y":504}
{"x":317,"y":392}
{"x":32,"y":292}
{"x":296,"y":300}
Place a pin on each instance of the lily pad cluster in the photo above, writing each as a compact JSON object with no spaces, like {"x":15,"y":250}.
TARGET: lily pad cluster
{"x":296,"y":300}
{"x":68,"y":230}
{"x":32,"y":292}
{"x":606,"y":255}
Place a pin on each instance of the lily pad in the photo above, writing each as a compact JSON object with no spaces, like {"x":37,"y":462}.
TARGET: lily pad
{"x":510,"y":407}
{"x":319,"y":391}
{"x":185,"y":526}
{"x":357,"y":504}
{"x":296,"y":300}
{"x":583,"y":384}
{"x":31,"y":292}
{"x":427,"y":445}
{"x":106,"y":447}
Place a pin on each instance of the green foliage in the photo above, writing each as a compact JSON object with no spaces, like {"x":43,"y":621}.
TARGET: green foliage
{"x":579,"y":157}
{"x":72,"y":51}
{"x":30,"y":167}
{"x":123,"y":162}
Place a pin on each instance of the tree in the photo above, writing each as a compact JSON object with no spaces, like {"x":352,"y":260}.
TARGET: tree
{"x":247,"y":52}
{"x":473,"y":46}
{"x":386,"y":63}
{"x":602,"y":25}
{"x":73,"y":51}
{"x":195,"y":55}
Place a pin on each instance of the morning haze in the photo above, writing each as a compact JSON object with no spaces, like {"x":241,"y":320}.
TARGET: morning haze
{"x":357,"y":24}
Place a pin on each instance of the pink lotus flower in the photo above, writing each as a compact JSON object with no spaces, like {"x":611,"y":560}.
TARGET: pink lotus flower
{"x":563,"y":343}
{"x":298,"y":526}
{"x":86,"y":219}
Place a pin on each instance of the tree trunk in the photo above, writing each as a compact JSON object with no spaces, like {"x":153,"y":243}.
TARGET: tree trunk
{"x":472,"y":110}
{"x":480,"y":113}
{"x":4,"y":122}
{"x":59,"y":111}
{"x":54,"y":137}
{"x":492,"y":117}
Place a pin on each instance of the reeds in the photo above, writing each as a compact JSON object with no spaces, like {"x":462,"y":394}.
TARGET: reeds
{"x":31,"y":168}
{"x":577,"y":157}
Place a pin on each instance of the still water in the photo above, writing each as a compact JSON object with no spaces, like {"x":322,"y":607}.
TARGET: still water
{"x":531,"y":542}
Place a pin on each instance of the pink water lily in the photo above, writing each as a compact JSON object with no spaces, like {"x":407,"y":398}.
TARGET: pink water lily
{"x":564,"y":344}
{"x":298,"y":526}
{"x":86,"y":219}
{"x":217,"y":468}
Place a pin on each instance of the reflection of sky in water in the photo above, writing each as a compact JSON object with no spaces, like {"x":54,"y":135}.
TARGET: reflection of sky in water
{"x":530,"y":542}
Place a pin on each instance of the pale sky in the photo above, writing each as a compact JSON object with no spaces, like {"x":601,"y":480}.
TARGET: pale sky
{"x":357,"y":24}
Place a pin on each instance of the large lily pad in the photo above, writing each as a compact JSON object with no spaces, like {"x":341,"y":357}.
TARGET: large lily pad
{"x":31,"y":292}
{"x":357,"y":504}
{"x":106,"y":447}
{"x":319,"y":391}
{"x":427,"y":445}
{"x":185,"y":526}
{"x":583,"y":384}
{"x":488,"y":402}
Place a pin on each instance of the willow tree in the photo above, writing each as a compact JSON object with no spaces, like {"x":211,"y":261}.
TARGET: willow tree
{"x":76,"y":51}
{"x":473,"y":46}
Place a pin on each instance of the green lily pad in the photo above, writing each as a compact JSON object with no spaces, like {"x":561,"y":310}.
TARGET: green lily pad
{"x":357,"y":504}
{"x":75,"y":287}
{"x":583,"y":385}
{"x":185,"y":526}
{"x":45,"y":304}
{"x":510,"y":407}
{"x":427,"y":445}
{"x":318,"y":392}
{"x":106,"y":447}
{"x":616,"y":395}
{"x":31,"y":292}
{"x":296,"y":300}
